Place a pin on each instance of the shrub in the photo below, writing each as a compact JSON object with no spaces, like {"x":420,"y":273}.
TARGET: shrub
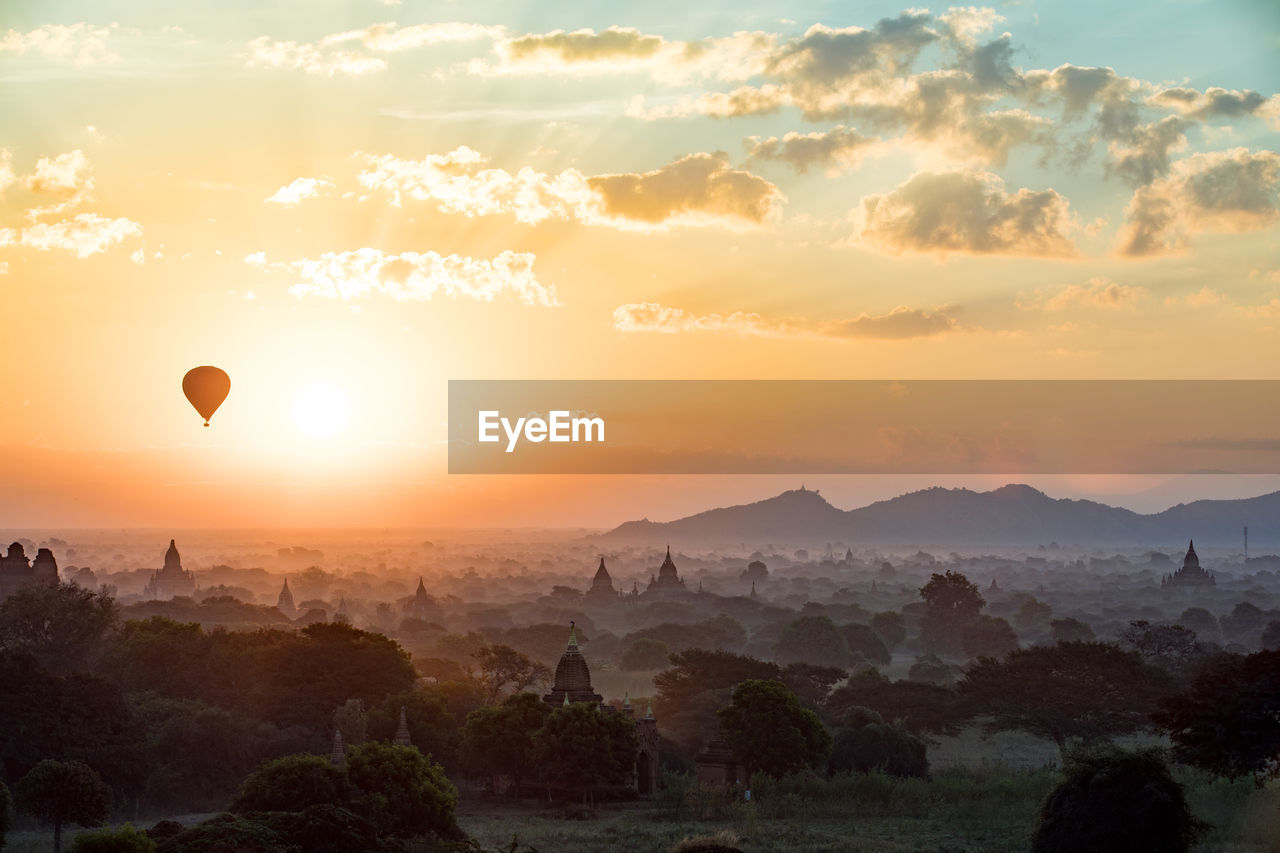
{"x":292,"y":784}
{"x":126,"y":839}
{"x":866,"y":743}
{"x":1114,"y":801}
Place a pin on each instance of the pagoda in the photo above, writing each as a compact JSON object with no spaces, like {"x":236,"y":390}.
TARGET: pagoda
{"x":172,"y":580}
{"x":602,"y":585}
{"x":1191,"y":575}
{"x":668,"y":579}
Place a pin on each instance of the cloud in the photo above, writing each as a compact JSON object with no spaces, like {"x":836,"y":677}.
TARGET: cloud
{"x":299,"y":189}
{"x":1224,"y":191}
{"x":265,"y":52}
{"x":967,"y":211}
{"x":899,"y":324}
{"x":695,"y":189}
{"x":82,"y":43}
{"x":66,"y":177}
{"x":1144,"y":155}
{"x":699,"y":189}
{"x":1211,"y":103}
{"x":356,"y":52}
{"x":833,"y":150}
{"x":7,"y":176}
{"x":625,"y":50}
{"x":1097,"y":292}
{"x":1202,"y":298}
{"x":413,"y":276}
{"x":86,"y":234}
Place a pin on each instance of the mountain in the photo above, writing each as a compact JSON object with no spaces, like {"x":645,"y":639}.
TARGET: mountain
{"x":1009,"y":515}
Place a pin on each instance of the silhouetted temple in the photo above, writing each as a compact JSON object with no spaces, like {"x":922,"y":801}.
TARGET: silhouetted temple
{"x":285,"y":602}
{"x":420,"y":605}
{"x":1190,"y":576}
{"x":16,"y":572}
{"x":602,"y":585}
{"x":573,"y":684}
{"x":172,"y":580}
{"x":668,"y":579}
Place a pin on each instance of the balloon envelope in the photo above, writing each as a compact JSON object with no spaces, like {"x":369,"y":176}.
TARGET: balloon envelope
{"x":206,"y":388}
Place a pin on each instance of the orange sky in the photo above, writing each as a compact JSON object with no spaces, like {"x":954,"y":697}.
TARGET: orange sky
{"x":382,"y":197}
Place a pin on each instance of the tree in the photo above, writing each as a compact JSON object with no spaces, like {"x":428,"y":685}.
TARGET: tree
{"x":126,"y":839}
{"x":581,"y":748}
{"x":6,"y":804}
{"x":865,"y":742}
{"x":1170,"y":647}
{"x":1204,"y":623}
{"x":770,"y":731}
{"x":891,"y":628}
{"x":1071,"y":630}
{"x":1115,"y":802}
{"x":644,"y":654}
{"x":434,"y":726}
{"x":811,"y":683}
{"x":917,"y":707}
{"x":952,"y":602}
{"x":1082,"y":690}
{"x":59,"y":792}
{"x":352,"y":720}
{"x":1033,"y":615}
{"x":931,"y":669}
{"x":402,"y":791}
{"x":814,"y":640}
{"x":291,"y":784}
{"x":61,"y":625}
{"x":1228,"y":720}
{"x":1270,"y":641}
{"x":501,"y":666}
{"x":988,"y":637}
{"x":697,"y":686}
{"x":499,"y":740}
{"x":865,"y":642}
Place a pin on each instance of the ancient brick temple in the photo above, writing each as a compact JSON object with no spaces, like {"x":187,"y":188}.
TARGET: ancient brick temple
{"x":573,"y":684}
{"x":667,"y":580}
{"x":16,"y":571}
{"x":172,"y":580}
{"x":1190,"y":576}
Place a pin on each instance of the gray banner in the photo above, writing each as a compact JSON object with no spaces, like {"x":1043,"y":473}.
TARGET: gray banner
{"x":863,"y":427}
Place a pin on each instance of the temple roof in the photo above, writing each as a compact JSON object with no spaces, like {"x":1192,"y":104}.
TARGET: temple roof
{"x":602,"y":573}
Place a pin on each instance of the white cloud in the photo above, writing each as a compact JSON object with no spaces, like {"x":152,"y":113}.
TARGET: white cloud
{"x":698,"y":189}
{"x":413,"y":276}
{"x":899,"y":324}
{"x":356,"y":52}
{"x":7,"y":176}
{"x":1097,"y":292}
{"x":299,"y":189}
{"x":86,"y":234}
{"x":82,"y":43}
{"x":66,"y":177}
{"x":967,"y":211}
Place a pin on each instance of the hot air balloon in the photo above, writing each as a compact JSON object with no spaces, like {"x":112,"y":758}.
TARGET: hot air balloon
{"x":206,"y":388}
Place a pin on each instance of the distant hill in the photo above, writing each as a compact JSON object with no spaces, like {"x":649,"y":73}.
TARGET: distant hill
{"x":1009,"y":515}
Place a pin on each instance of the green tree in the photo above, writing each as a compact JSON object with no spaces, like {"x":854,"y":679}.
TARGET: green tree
{"x":502,"y":666}
{"x":952,"y":603}
{"x":866,"y":643}
{"x":917,"y":707}
{"x":891,"y":627}
{"x":1071,"y":629}
{"x":61,"y":792}
{"x":434,"y":726}
{"x":352,"y":720}
{"x":125,"y":839}
{"x":644,"y":654}
{"x":6,"y":806}
{"x":770,"y":731}
{"x":499,"y":739}
{"x":1091,"y":691}
{"x":988,"y":637}
{"x":1228,"y":720}
{"x":865,"y":742}
{"x":813,"y":640}
{"x":402,"y":791}
{"x":61,"y":625}
{"x":1171,"y":647}
{"x":581,"y":748}
{"x":1115,"y":802}
{"x":291,"y":784}
{"x":811,"y":683}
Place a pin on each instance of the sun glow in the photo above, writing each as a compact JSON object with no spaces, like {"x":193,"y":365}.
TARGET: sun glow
{"x":321,"y":410}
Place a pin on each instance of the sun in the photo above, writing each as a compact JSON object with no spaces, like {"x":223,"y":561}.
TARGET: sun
{"x":321,"y":409}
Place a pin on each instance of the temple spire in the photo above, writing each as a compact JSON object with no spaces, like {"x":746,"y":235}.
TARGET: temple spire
{"x":402,"y":731}
{"x":573,"y":635}
{"x":338,"y":756}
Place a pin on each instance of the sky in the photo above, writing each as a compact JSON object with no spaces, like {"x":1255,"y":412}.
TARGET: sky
{"x":376,"y":197}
